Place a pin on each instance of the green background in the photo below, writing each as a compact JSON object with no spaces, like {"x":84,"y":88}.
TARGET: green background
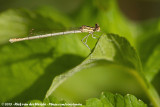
{"x":63,"y":67}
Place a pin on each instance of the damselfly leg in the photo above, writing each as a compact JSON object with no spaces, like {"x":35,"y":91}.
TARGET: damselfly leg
{"x":94,"y":36}
{"x":86,"y":38}
{"x":85,"y":43}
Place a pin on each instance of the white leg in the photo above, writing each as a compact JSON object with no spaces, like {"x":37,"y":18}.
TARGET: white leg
{"x":94,"y":36}
{"x":85,"y":43}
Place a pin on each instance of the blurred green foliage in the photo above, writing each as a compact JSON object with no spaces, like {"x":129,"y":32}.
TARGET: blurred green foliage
{"x":63,"y":67}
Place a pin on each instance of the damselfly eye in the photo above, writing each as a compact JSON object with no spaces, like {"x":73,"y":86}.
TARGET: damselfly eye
{"x":97,"y":27}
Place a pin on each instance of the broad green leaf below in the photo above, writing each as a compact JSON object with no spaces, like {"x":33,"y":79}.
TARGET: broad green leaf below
{"x":118,"y":62}
{"x":29,"y":65}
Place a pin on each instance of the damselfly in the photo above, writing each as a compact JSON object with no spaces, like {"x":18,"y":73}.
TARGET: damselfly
{"x":82,"y":29}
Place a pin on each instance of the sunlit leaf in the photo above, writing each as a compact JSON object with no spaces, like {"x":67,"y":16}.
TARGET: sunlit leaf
{"x":117,"y":61}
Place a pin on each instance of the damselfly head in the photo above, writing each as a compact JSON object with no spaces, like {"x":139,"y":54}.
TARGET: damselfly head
{"x":97,"y":28}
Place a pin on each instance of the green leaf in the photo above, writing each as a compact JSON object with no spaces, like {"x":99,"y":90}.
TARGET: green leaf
{"x":152,"y":67}
{"x":117,"y":100}
{"x":131,"y":101}
{"x":112,"y":65}
{"x":107,"y":99}
{"x":94,"y":103}
{"x":148,"y":43}
{"x":28,"y":66}
{"x":117,"y":49}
